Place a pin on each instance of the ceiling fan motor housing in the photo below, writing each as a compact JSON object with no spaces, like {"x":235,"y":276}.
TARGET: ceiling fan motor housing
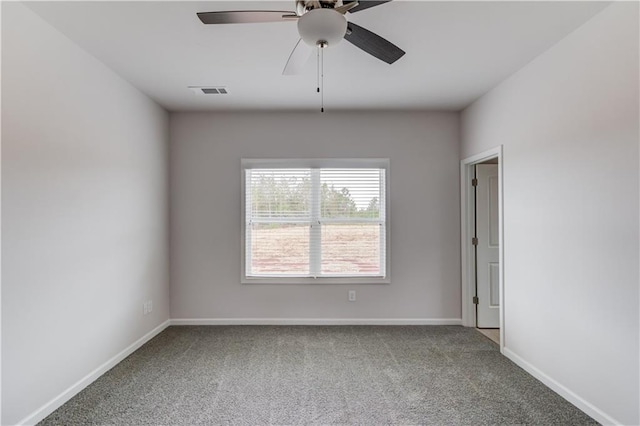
{"x":304,"y":6}
{"x":322,"y":26}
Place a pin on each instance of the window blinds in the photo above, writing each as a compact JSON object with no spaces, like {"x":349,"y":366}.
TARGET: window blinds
{"x":315,"y":222}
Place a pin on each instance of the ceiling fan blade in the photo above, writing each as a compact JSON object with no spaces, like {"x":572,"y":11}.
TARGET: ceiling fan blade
{"x":372,"y":43}
{"x":246,"y":16}
{"x":298,"y":58}
{"x":366,"y":4}
{"x":347,"y":6}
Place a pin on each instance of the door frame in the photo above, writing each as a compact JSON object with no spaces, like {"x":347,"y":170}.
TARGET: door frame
{"x":467,"y":217}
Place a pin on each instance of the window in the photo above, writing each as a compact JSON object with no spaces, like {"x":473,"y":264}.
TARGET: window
{"x":315,"y":221}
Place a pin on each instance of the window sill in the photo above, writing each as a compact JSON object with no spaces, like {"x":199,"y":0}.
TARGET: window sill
{"x":316,"y":281}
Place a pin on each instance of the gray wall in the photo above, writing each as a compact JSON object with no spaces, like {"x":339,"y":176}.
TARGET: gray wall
{"x":84,"y":213}
{"x":206,"y":149}
{"x":569,"y":125}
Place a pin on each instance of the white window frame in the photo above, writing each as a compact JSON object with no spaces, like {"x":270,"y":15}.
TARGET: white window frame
{"x":382,"y":163}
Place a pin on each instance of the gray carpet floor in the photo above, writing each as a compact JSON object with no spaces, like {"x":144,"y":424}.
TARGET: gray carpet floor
{"x":285,"y":375}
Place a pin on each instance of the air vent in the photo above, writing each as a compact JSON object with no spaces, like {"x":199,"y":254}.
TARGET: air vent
{"x":200,"y":90}
{"x":214,"y":91}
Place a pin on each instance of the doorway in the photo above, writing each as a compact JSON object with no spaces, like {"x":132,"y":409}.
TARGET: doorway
{"x":485,"y":244}
{"x":482,"y":244}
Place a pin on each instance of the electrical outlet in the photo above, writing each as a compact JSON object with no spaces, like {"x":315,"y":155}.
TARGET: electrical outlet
{"x":147,"y":307}
{"x":352,"y":295}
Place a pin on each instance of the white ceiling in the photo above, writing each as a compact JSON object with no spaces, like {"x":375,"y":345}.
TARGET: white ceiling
{"x":456,"y":51}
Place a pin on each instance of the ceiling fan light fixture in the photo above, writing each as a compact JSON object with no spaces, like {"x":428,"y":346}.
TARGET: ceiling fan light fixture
{"x":322,"y":26}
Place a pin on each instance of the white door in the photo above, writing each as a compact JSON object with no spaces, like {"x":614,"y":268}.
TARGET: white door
{"x":487,"y":248}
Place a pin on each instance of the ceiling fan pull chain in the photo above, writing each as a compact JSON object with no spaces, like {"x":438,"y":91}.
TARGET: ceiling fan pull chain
{"x":322,"y":79}
{"x":318,"y":69}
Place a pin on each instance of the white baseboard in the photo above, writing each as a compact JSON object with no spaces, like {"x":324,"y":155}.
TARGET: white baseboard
{"x":73,"y":390}
{"x":588,"y":408}
{"x":316,"y":321}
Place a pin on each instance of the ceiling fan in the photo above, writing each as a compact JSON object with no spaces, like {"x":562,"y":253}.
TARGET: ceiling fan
{"x":321,"y":23}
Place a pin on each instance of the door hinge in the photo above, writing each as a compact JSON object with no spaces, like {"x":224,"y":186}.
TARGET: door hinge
{"x":474,"y":241}
{"x":475,"y":300}
{"x":474,"y":182}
